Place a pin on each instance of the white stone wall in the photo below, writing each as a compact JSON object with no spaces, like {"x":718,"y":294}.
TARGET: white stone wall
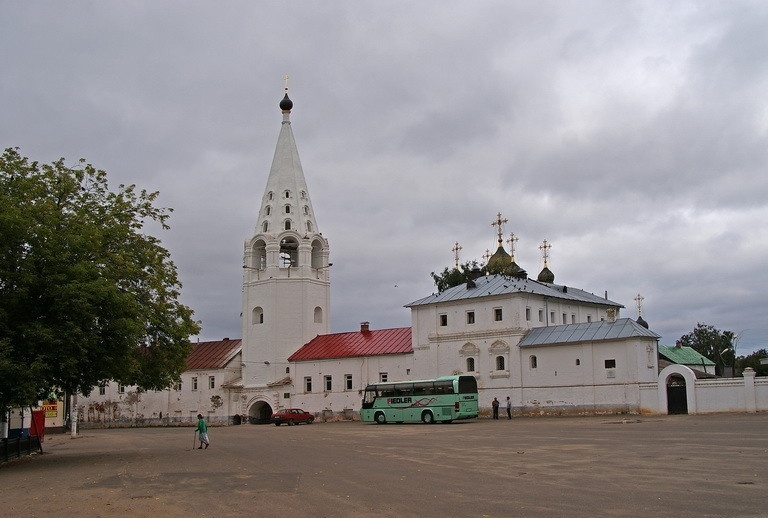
{"x":339,"y":401}
{"x":130,"y":407}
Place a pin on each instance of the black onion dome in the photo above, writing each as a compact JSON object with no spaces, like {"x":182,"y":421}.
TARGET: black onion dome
{"x":642,"y":322}
{"x":546,"y":276}
{"x":286,"y":104}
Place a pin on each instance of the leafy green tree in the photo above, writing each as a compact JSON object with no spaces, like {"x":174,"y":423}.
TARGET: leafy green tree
{"x":753,"y":361}
{"x":451,"y":277}
{"x":714,"y":344}
{"x":85,"y":295}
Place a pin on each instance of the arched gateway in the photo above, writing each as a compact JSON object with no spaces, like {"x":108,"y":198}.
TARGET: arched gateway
{"x":259,"y":412}
{"x":676,"y":390}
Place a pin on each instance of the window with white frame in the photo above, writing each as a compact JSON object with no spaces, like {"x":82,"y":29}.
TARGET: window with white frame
{"x":383,"y":376}
{"x":348,"y":382}
{"x":328,"y":382}
{"x":212,"y":382}
{"x":194,"y":383}
{"x":307,"y":384}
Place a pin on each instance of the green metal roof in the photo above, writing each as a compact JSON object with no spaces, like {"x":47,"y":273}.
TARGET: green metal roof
{"x":684,"y":355}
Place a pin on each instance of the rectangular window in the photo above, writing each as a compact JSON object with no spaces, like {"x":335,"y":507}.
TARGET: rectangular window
{"x":541,"y":315}
{"x":470,"y":317}
{"x":348,"y":382}
{"x":307,"y":384}
{"x":589,"y":318}
{"x":121,"y":389}
{"x":497,"y":314}
{"x":443,"y":319}
{"x":383,"y":376}
{"x":552,"y":318}
{"x":565,"y":318}
{"x":573,"y":318}
{"x":286,"y":395}
{"x":610,"y":363}
{"x":527,"y":314}
{"x":328,"y":383}
{"x":102,"y":389}
{"x":194,"y":383}
{"x":177,"y":387}
{"x":211,"y":382}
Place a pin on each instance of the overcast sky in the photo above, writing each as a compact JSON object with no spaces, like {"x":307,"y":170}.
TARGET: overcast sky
{"x":633,"y":136}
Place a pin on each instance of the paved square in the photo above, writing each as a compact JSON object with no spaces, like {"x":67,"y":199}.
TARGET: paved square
{"x":639,"y":466}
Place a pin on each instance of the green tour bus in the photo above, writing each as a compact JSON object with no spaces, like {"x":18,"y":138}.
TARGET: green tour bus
{"x":442,"y":399}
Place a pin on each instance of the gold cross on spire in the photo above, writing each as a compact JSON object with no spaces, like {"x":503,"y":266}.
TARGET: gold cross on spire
{"x":498,"y":223}
{"x":511,"y":241}
{"x":456,"y":248}
{"x":639,"y":301}
{"x":544,"y":247}
{"x":487,"y":255}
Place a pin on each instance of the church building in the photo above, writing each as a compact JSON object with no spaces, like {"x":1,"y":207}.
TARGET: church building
{"x":551,"y":348}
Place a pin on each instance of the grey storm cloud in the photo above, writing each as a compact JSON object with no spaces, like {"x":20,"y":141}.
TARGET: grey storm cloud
{"x":633,"y":136}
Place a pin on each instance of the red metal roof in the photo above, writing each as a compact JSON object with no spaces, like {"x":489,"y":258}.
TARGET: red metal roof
{"x":213,"y":354}
{"x":356,"y":344}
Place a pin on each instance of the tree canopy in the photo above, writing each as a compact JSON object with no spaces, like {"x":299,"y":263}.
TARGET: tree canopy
{"x":754,"y":361}
{"x":451,"y":277}
{"x":714,"y":344}
{"x":85,"y":295}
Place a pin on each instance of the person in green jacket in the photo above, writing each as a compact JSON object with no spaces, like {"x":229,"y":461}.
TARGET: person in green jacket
{"x":202,"y":427}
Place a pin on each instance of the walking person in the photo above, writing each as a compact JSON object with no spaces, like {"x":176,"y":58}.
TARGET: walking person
{"x":509,"y":409}
{"x":202,"y":428}
{"x":495,"y":405}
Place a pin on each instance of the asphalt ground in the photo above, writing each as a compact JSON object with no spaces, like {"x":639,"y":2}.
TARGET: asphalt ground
{"x":609,"y":466}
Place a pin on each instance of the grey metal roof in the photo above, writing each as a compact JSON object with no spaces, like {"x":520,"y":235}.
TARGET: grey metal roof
{"x":497,"y":284}
{"x":585,"y":332}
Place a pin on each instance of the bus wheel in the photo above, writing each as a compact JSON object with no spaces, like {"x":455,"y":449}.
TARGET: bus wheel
{"x":380,"y":418}
{"x":427,"y":417}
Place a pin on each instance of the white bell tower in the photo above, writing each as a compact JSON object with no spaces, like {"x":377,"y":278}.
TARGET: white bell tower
{"x":286,"y":279}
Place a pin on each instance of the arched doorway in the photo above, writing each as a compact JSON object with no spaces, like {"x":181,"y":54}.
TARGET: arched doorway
{"x":259,"y":412}
{"x":677,"y":396}
{"x":677,"y":390}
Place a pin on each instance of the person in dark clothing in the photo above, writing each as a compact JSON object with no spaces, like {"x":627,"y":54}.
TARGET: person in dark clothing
{"x":509,"y":409}
{"x":495,"y":405}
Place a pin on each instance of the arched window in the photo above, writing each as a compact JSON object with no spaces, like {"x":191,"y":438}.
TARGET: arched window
{"x":317,"y":254}
{"x":287,"y":209}
{"x":470,"y":364}
{"x":303,"y":195}
{"x":532,"y":362}
{"x":287,"y":194}
{"x":306,"y":210}
{"x":500,"y":363}
{"x":257,"y":316}
{"x":260,"y":255}
{"x":309,"y":226}
{"x":270,"y":195}
{"x":289,"y":253}
{"x":265,"y":227}
{"x":318,"y":315}
{"x":268,"y":210}
{"x":287,"y":225}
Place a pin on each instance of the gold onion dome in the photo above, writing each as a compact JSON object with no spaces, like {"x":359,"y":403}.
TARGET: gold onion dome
{"x":546,"y":275}
{"x":498,"y":263}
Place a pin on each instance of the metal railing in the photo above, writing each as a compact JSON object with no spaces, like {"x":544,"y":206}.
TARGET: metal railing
{"x":13,"y":448}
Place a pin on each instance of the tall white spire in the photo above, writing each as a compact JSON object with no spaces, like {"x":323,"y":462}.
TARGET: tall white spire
{"x":286,"y":281}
